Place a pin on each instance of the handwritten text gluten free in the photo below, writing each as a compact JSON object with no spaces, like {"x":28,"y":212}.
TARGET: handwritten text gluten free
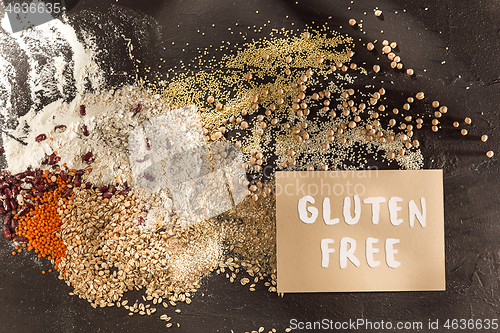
{"x":309,"y":214}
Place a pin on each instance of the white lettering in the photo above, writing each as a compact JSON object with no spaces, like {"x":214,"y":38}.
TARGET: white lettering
{"x":375,"y":202}
{"x":390,"y":251}
{"x":394,"y":209}
{"x":348,"y":253}
{"x":348,"y":218}
{"x":303,"y":209}
{"x":370,"y":250}
{"x":414,"y":212}
{"x":327,"y":213}
{"x":325,"y":251}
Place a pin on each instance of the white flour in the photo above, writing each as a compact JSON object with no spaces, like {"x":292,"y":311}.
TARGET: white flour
{"x":109,"y":119}
{"x":52,"y":48}
{"x":61,"y":72}
{"x":57,"y":62}
{"x":47,"y":48}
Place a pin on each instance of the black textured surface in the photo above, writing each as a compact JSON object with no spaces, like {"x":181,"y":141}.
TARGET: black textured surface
{"x":462,"y":33}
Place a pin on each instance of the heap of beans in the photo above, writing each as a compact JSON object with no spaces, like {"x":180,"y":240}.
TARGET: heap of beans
{"x":30,"y":200}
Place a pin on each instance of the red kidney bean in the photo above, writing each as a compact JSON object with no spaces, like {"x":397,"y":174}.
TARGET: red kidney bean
{"x":23,"y":211}
{"x":57,"y":160}
{"x":52,"y":159}
{"x":51,"y":186}
{"x":20,"y":239}
{"x":8,"y":218}
{"x":40,"y":137}
{"x":38,"y":194}
{"x":38,"y":173}
{"x":7,"y":193}
{"x":107,"y":195}
{"x":13,"y":204}
{"x":14,"y":224}
{"x":80,"y":172}
{"x":137,"y":109}
{"x":4,"y":186}
{"x":148,"y":144}
{"x":15,"y":191}
{"x":124,"y":192}
{"x":6,"y":205}
{"x":28,"y":196}
{"x":63,"y":175}
{"x":1,"y":150}
{"x":60,"y":128}
{"x":29,"y":204}
{"x":103,"y":188}
{"x":6,"y":233}
{"x":82,"y":110}
{"x":38,"y":181}
{"x":112,"y":189}
{"x":40,"y":188}
{"x":88,"y":185}
{"x":77,"y":181}
{"x":140,"y":220}
{"x":87,"y":156}
{"x":85,"y":130}
{"x":20,"y":175}
{"x":67,"y":193}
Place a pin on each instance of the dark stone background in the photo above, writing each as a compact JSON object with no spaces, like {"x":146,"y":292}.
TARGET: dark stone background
{"x":464,"y":34}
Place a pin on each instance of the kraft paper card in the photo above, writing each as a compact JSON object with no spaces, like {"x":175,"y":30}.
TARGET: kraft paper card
{"x":367,"y":230}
